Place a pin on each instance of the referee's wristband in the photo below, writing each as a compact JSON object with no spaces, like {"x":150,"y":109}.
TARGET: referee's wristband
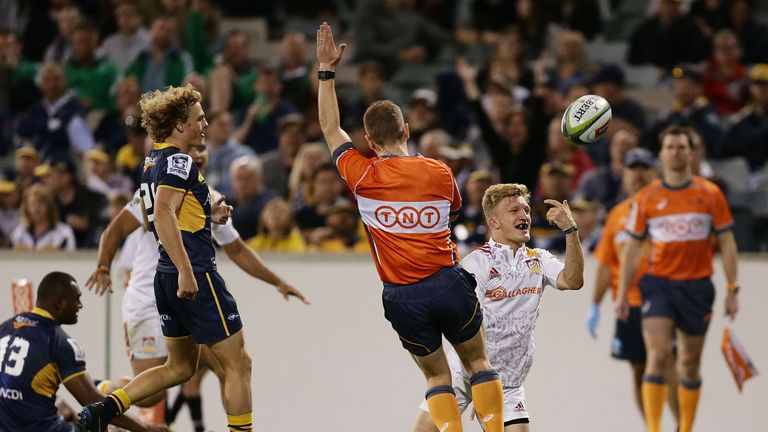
{"x":571,"y":230}
{"x":324,"y":75}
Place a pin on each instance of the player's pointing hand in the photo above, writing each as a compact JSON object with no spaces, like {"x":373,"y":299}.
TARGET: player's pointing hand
{"x":328,"y":54}
{"x":560,"y":214}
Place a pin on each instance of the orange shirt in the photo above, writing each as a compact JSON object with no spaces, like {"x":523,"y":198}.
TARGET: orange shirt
{"x":405,"y":204}
{"x":679,"y":222}
{"x":609,"y":249}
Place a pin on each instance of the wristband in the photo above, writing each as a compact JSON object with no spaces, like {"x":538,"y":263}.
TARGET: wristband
{"x":325,"y":75}
{"x":102,"y":269}
{"x":571,"y":230}
{"x":733,"y":287}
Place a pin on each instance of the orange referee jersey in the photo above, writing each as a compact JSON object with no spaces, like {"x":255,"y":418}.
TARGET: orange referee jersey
{"x":609,"y":249}
{"x":405,"y":203}
{"x":679,"y":222}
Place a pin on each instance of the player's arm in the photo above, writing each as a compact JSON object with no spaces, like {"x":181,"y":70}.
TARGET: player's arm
{"x":329,"y":55}
{"x":82,"y":388}
{"x":167,"y":201}
{"x":251,"y":263}
{"x":602,"y":284}
{"x":117,"y":230}
{"x":630,"y":261}
{"x":572,"y":275}
{"x":730,"y":257}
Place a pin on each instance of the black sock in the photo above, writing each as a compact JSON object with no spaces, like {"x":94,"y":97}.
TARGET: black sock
{"x":196,"y":412}
{"x":174,"y":411}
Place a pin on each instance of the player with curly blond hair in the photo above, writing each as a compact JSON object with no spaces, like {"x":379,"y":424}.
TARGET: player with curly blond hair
{"x":194,"y":305}
{"x":511,"y":278}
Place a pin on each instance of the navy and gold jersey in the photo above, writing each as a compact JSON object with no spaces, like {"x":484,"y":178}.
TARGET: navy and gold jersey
{"x":36,"y":355}
{"x":167,"y":167}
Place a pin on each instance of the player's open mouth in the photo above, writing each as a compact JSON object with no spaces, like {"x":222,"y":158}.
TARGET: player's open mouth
{"x":522,"y":226}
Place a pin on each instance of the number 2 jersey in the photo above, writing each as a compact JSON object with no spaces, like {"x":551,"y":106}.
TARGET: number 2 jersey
{"x":36,"y":355}
{"x":167,"y":167}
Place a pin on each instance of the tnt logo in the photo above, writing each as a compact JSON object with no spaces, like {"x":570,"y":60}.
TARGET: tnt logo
{"x":408,"y":217}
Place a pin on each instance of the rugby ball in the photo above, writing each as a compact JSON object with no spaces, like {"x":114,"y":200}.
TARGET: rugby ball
{"x":586,"y":119}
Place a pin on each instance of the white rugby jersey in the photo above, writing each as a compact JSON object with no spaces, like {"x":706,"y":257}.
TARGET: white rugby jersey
{"x":139,"y":300}
{"x":509,"y":287}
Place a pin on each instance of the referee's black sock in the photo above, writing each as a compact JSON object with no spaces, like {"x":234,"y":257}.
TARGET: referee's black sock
{"x":196,"y":412}
{"x":175,"y":408}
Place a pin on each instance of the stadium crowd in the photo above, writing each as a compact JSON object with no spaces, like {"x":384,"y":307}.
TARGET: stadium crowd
{"x":483,"y":84}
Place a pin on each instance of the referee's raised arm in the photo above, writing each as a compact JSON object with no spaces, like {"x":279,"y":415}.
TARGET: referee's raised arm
{"x":328,"y":56}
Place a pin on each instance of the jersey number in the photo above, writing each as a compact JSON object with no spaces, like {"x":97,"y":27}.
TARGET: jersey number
{"x":147,"y":192}
{"x":18,"y":351}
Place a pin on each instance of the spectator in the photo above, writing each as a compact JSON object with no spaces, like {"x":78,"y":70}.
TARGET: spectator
{"x":570,"y":61}
{"x":582,"y":16}
{"x":586,"y":214}
{"x":433,"y":144}
{"x":55,"y":125}
{"x":327,"y":188}
{"x":710,"y":15}
{"x":10,"y":210}
{"x":668,"y":38}
{"x":609,"y":82}
{"x":111,"y":130}
{"x":560,"y":149}
{"x":59,"y":51}
{"x":130,"y":158}
{"x":370,"y":80}
{"x":725,"y":78}
{"x":389,"y":32}
{"x":513,"y":150}
{"x":536,"y":26}
{"x":222,"y":151}
{"x":691,"y":108}
{"x":83,"y":210}
{"x":508,"y":64}
{"x":343,"y":233}
{"x":231,"y":80}
{"x":301,"y":190}
{"x":556,"y":180}
{"x":749,"y":134}
{"x":259,"y":128}
{"x":277,"y":230}
{"x":101,"y":177}
{"x":163,"y":63}
{"x":490,"y":19}
{"x":17,"y":84}
{"x":40,"y":228}
{"x":250,"y":195}
{"x":278,"y":163}
{"x":422,"y":114}
{"x":603,"y":184}
{"x":131,"y":37}
{"x":25,"y":160}
{"x":92,"y":78}
{"x":752,"y":33}
{"x":469,"y":228}
{"x":294,"y":69}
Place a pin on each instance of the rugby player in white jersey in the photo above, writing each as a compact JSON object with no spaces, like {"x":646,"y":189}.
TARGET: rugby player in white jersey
{"x":144,"y":337}
{"x":510,"y":281}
